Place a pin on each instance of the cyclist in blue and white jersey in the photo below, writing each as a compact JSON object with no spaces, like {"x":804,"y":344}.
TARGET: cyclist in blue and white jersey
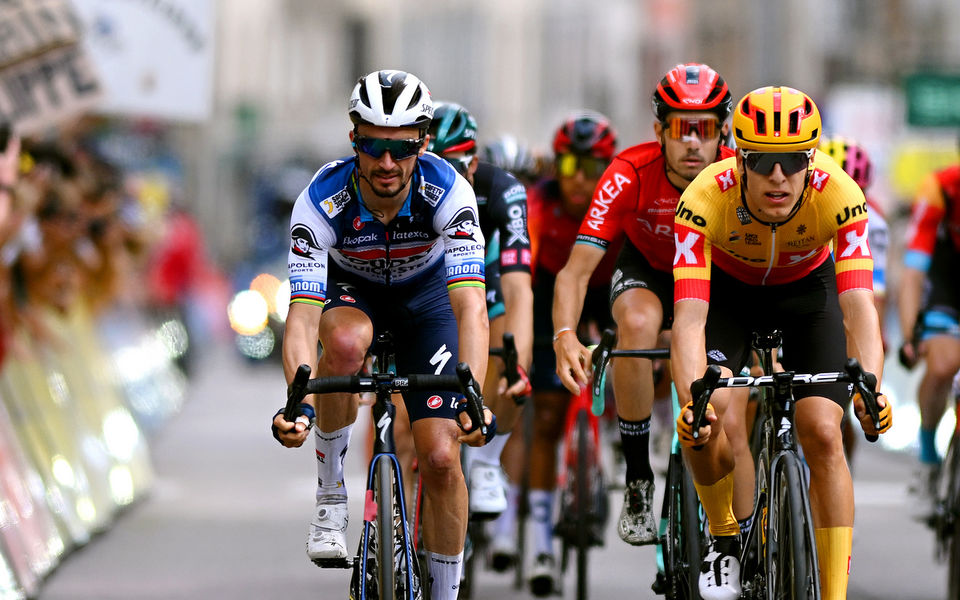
{"x":388,"y":238}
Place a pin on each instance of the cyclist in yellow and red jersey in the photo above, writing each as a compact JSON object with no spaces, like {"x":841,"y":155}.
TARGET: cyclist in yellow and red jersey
{"x":753,"y":241}
{"x":932,"y":260}
{"x":637,"y":195}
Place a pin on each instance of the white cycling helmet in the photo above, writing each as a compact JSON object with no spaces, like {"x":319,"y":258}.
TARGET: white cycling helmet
{"x":391,"y":99}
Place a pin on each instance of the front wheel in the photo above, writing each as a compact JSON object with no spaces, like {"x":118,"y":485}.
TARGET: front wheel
{"x":951,"y":515}
{"x":791,"y":550}
{"x":583,"y":500}
{"x":383,"y":492}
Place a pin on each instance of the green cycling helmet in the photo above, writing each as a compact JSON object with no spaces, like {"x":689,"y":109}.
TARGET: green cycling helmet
{"x":453,"y":129}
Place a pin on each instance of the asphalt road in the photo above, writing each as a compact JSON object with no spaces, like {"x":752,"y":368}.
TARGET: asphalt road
{"x":227,"y":518}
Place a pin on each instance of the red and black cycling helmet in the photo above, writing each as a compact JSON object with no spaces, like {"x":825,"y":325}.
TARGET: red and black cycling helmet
{"x":692,"y":87}
{"x":586,"y":134}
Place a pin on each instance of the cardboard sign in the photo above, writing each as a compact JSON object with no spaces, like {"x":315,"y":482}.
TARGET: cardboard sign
{"x":38,"y":92}
{"x":30,"y":27}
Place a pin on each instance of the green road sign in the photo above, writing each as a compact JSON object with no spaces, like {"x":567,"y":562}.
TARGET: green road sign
{"x":933,"y":99}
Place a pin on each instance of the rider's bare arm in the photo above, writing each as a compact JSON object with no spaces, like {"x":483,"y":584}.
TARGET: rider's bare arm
{"x":568,"y":294}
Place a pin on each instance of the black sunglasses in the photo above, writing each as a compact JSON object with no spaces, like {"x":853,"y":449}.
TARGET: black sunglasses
{"x":762,"y":163}
{"x":375,"y":147}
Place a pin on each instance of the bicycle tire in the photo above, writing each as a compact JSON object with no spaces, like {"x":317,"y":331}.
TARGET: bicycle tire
{"x":383,"y":493}
{"x":523,"y":500}
{"x":791,"y":550}
{"x":470,"y":564}
{"x":691,"y":531}
{"x":583,"y":501}
{"x":952,"y":515}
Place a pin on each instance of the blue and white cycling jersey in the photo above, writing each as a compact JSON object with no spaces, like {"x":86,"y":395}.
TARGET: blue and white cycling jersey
{"x":437,"y":228}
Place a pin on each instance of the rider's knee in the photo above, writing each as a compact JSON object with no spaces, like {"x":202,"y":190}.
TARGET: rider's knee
{"x":822,"y":441}
{"x":345,"y":347}
{"x":439,"y":462}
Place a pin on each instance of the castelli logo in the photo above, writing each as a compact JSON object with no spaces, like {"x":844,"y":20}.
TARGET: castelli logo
{"x":347,"y":298}
{"x":434,"y":402}
{"x":357,"y":223}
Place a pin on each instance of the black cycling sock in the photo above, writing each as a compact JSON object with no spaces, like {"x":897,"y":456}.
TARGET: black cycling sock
{"x":727,"y":544}
{"x":635,"y":438}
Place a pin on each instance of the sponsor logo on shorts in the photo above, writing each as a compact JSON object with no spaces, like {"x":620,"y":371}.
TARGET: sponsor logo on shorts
{"x":434,"y":402}
{"x":349,"y":299}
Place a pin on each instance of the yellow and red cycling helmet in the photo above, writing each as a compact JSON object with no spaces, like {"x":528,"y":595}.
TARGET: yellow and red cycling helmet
{"x":776,"y":119}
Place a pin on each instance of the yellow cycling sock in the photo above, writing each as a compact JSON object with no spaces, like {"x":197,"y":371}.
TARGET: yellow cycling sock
{"x":717,"y":500}
{"x":833,"y":550}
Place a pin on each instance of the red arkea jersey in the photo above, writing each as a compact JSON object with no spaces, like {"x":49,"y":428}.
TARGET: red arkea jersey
{"x":553,"y":233}
{"x":635,"y":196}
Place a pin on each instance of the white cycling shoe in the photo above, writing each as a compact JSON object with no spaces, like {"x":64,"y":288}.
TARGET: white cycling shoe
{"x":327,"y":535}
{"x":719,"y":576}
{"x":487,"y":496}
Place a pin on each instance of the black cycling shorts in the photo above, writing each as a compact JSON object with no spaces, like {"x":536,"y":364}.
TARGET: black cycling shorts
{"x":633,"y":270}
{"x":543,"y":373}
{"x":423,"y":326}
{"x":941,"y":307}
{"x":806,"y":312}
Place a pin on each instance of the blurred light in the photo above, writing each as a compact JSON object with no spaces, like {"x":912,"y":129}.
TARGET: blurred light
{"x":906,"y":424}
{"x":945,"y":431}
{"x":86,"y":510}
{"x":173,"y":335}
{"x":120,"y":433}
{"x":62,"y":471}
{"x":248,"y":312}
{"x":121,"y":485}
{"x":267,"y":285}
{"x":257,"y":346}
{"x":58,"y":387}
{"x":282,"y":300}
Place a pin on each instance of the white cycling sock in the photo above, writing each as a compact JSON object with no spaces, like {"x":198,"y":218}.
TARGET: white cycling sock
{"x":541,"y":515}
{"x":444,"y":575}
{"x":506,"y":524}
{"x":331,"y":450}
{"x":489,"y":453}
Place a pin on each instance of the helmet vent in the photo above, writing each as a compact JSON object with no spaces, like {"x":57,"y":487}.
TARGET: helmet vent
{"x":693,"y":75}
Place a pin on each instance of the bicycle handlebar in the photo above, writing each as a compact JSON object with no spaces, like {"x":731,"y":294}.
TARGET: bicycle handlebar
{"x":865,"y":383}
{"x":511,"y":361}
{"x":462,"y":382}
{"x":601,"y":357}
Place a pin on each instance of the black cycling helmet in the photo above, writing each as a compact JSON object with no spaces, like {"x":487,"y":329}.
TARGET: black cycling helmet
{"x":453,"y":129}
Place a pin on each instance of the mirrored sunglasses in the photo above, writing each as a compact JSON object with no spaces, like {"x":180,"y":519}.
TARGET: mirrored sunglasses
{"x":569,"y":164}
{"x":762,"y":163}
{"x":460,"y":163}
{"x":706,"y":128}
{"x":375,"y":147}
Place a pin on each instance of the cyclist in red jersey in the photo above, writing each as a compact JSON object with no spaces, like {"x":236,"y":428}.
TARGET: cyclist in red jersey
{"x":638,"y":195}
{"x":583,"y":147}
{"x":929,"y":322}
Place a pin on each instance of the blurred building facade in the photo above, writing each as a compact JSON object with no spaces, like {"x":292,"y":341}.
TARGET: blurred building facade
{"x":285,"y":68}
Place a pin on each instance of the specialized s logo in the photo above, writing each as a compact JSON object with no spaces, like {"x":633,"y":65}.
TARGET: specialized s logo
{"x":818,"y":180}
{"x":462,"y":225}
{"x":725,"y":180}
{"x":685,"y":255}
{"x":304,"y":241}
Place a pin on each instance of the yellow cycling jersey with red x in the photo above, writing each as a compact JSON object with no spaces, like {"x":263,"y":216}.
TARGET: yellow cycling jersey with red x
{"x":713,"y":226}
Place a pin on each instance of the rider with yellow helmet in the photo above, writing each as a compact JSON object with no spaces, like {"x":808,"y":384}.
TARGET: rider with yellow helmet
{"x":753,"y":238}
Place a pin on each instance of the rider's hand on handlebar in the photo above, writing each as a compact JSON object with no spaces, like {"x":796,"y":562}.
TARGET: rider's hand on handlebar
{"x":573,"y":362}
{"x":908,"y":355}
{"x":886,"y":414}
{"x":685,"y":426}
{"x":473,"y":438}
{"x":519,"y":389}
{"x":293,"y":434}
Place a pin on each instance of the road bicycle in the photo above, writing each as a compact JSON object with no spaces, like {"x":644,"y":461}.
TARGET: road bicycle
{"x":385,"y":566}
{"x":478,"y":540}
{"x":945,"y":520}
{"x":779,"y":556}
{"x":681,"y":526}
